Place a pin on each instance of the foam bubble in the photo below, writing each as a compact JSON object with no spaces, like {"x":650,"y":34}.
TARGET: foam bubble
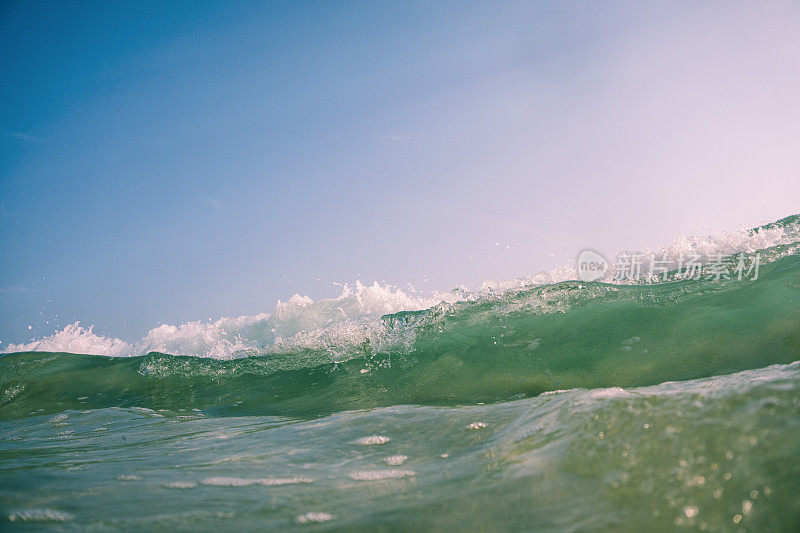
{"x":222,"y":481}
{"x":180,"y":485}
{"x":39,"y":515}
{"x":313,"y":518}
{"x":372,"y":439}
{"x":375,"y":475}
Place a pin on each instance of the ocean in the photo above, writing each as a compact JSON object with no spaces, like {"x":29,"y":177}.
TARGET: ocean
{"x":544,"y":403}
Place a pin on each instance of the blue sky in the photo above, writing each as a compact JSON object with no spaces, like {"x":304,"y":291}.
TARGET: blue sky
{"x":173,"y":161}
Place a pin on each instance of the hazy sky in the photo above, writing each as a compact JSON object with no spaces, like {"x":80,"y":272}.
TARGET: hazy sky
{"x":167,"y":162}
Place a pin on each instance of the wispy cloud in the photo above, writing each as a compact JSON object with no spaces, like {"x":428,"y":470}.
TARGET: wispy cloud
{"x":394,"y":137}
{"x":16,"y":289}
{"x":20,"y":136}
{"x":216,"y":204}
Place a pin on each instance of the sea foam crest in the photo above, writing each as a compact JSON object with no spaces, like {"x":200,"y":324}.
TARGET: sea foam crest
{"x":76,"y":339}
{"x":333,"y":325}
{"x":352,"y":320}
{"x":707,"y":248}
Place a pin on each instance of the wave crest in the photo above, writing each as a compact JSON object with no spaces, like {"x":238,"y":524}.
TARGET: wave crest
{"x":351,"y":323}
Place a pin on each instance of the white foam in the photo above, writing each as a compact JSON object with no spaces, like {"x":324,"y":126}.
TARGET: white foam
{"x":39,"y":515}
{"x":334,"y":325}
{"x":706,"y":249}
{"x":74,"y":339}
{"x":375,"y":475}
{"x":180,"y":485}
{"x":313,"y":518}
{"x":372,"y":439}
{"x":222,"y":481}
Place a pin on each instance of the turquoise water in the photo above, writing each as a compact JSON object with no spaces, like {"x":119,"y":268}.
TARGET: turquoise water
{"x":566,"y":406}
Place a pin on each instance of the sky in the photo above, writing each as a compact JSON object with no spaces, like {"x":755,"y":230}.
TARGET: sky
{"x":164,"y":162}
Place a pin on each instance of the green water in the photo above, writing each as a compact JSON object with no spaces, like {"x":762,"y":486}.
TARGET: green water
{"x":565,"y":407}
{"x":697,"y":454}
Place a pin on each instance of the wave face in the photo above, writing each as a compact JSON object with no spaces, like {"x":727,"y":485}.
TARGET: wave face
{"x":713,"y":454}
{"x":543,"y":400}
